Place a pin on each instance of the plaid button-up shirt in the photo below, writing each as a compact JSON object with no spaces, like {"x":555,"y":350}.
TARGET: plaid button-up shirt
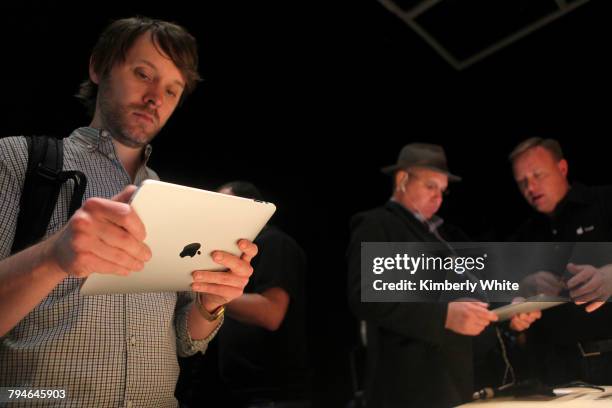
{"x":105,"y":351}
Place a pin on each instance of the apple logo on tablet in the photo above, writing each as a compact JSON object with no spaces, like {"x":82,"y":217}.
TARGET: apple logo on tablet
{"x":190,"y":250}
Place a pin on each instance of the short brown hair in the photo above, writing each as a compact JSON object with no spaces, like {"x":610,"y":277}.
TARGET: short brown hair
{"x":551,"y":145}
{"x":117,"y":39}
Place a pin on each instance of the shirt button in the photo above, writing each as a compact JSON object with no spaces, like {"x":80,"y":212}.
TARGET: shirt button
{"x":104,"y":133}
{"x":133,"y":340}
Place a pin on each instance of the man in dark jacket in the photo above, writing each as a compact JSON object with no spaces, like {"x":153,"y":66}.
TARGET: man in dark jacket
{"x":419,"y":354}
{"x":572,"y":341}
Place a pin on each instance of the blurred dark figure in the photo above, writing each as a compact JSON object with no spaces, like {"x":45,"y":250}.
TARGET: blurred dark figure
{"x":262,"y":346}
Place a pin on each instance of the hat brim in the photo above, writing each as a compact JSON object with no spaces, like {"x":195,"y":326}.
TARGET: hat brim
{"x":389,"y":170}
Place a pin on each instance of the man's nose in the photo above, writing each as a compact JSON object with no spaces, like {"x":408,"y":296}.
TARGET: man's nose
{"x":438,"y":194}
{"x":530,"y":185}
{"x":154,"y":96}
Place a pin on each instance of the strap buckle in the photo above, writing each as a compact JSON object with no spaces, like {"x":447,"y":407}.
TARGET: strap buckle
{"x":47,"y":173}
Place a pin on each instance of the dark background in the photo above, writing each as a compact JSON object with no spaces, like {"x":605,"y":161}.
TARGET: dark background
{"x":308,"y":100}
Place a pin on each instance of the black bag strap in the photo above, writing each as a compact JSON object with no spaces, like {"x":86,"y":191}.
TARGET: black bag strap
{"x":80,"y":183}
{"x":42,"y":184}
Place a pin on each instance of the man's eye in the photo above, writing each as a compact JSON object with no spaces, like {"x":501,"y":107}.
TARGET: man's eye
{"x":171,"y":93}
{"x":142,"y":75}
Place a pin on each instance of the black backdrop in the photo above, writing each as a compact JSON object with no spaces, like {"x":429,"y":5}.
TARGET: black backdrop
{"x":308,"y":100}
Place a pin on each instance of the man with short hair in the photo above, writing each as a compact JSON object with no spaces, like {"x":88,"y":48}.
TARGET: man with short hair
{"x":568,"y":343}
{"x":112,"y":350}
{"x":419,"y":354}
{"x":263,"y":345}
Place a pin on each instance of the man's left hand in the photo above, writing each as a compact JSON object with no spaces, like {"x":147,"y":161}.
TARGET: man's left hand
{"x":590,"y":285}
{"x":522,"y":321}
{"x":218,"y":288}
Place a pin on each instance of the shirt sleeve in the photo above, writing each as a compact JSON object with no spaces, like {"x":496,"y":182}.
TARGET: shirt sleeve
{"x":279,"y":264}
{"x":422,"y":321}
{"x":605,"y":200}
{"x":185,"y":345}
{"x":13,"y":161}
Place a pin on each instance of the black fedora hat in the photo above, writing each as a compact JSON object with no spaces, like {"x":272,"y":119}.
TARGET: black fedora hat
{"x":425,"y":155}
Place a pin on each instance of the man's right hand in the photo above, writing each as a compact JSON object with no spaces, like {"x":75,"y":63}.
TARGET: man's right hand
{"x":468,"y":317}
{"x":542,"y":282}
{"x":104,"y":236}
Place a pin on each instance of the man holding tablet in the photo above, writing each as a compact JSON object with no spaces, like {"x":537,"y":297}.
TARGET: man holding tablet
{"x":419,"y":354}
{"x":111,"y":350}
{"x":572,"y":341}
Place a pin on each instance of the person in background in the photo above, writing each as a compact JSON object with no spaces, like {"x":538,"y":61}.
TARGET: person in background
{"x":419,"y":354}
{"x":263,"y":349}
{"x":572,"y":341}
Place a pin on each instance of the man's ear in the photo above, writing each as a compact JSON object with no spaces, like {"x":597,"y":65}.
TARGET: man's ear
{"x":401,"y":178}
{"x":563,"y":167}
{"x":93,"y":75}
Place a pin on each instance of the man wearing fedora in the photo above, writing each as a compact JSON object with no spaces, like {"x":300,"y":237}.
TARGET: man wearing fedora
{"x":419,"y":354}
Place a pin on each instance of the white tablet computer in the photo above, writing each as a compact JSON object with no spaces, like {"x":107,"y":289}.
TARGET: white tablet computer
{"x":539,"y":302}
{"x":184,"y":225}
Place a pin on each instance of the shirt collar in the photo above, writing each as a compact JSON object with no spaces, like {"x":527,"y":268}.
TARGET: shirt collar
{"x":101,"y":140}
{"x":432,"y":224}
{"x":576,"y":194}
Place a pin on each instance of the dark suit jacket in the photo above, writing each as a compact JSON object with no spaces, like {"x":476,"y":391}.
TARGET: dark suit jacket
{"x":412,"y":360}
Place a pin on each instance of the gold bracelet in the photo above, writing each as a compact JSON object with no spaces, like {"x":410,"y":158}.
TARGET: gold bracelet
{"x":211,"y":317}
